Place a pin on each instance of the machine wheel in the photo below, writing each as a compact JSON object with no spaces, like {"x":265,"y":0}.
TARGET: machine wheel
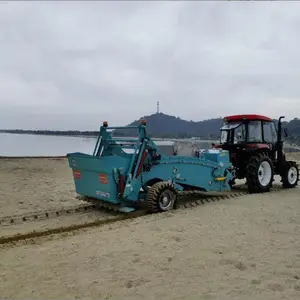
{"x":290,"y":176}
{"x":259,"y":174}
{"x":162,"y":196}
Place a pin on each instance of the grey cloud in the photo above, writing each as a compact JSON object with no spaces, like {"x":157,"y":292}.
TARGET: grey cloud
{"x":71,"y":65}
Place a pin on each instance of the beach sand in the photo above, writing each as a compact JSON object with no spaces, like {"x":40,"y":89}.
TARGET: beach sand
{"x":34,"y":184}
{"x":242,"y":248}
{"x":239,"y":248}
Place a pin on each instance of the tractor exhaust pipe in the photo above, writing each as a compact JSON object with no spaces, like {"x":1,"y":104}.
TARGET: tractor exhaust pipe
{"x":279,"y":134}
{"x":280,"y":145}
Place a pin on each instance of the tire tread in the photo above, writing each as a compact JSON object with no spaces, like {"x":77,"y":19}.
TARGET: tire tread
{"x":284,"y":177}
{"x":154,"y":193}
{"x":251,"y":174}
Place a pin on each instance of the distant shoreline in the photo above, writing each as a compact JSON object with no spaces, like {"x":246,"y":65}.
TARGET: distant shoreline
{"x":76,"y":133}
{"x":290,"y":147}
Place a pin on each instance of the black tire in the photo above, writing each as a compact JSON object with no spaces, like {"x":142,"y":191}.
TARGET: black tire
{"x":253,"y":171}
{"x":155,"y":194}
{"x":290,"y":175}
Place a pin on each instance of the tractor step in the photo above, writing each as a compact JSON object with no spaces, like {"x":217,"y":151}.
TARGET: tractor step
{"x":126,"y":209}
{"x":106,"y":205}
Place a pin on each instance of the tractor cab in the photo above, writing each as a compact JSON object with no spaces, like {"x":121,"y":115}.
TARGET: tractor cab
{"x":248,"y":130}
{"x":242,"y":135}
{"x":246,"y":135}
{"x":256,"y":152}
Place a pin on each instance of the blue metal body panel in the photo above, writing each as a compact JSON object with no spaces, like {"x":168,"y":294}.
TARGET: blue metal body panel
{"x":192,"y":171}
{"x":112,"y":174}
{"x":90,"y":168}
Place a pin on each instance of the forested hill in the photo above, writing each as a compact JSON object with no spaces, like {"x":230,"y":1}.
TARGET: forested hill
{"x":161,"y":125}
{"x":166,"y":126}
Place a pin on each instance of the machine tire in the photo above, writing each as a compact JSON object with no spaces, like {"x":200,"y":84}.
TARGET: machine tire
{"x":256,"y":164}
{"x":290,"y":176}
{"x":155,"y":194}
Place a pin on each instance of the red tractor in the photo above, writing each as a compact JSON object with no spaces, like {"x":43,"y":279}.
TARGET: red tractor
{"x":256,"y":152}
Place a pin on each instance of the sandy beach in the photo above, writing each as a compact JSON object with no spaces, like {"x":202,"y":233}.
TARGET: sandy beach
{"x":239,"y":248}
{"x":33,"y":184}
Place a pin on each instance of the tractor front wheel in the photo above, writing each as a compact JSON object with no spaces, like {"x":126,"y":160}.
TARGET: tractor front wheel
{"x":259,"y":174}
{"x":290,"y":176}
{"x":161,"y":196}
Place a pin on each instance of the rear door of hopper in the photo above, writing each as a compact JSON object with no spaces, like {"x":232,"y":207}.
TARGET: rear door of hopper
{"x":94,"y":176}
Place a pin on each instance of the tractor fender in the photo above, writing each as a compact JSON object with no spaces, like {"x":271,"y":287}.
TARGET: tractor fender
{"x":263,"y":149}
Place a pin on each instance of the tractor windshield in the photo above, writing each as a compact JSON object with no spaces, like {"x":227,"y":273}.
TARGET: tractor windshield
{"x":234,"y":132}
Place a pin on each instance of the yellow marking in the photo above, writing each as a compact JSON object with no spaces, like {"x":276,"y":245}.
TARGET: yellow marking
{"x":220,"y":178}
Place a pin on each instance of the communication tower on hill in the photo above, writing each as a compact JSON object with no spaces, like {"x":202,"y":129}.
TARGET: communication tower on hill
{"x":157,"y":107}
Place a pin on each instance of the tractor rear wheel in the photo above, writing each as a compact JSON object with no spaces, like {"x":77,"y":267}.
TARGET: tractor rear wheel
{"x":161,"y":196}
{"x":290,"y":176}
{"x":259,"y":174}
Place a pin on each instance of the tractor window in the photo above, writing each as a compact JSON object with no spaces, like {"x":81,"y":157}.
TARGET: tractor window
{"x":240,"y":134}
{"x":227,"y":130}
{"x":224,"y":136}
{"x":255,"y":132}
{"x":274,"y":132}
{"x":233,"y":133}
{"x":270,"y":135}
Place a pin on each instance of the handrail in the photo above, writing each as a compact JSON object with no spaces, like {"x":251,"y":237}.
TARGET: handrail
{"x":99,"y":139}
{"x":125,"y":140}
{"x":123,"y":127}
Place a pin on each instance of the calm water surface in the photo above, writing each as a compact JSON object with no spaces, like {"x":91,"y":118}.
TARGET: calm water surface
{"x":43,"y":145}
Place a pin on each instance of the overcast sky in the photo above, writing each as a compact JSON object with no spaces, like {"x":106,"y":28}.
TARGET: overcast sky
{"x":72,"y":65}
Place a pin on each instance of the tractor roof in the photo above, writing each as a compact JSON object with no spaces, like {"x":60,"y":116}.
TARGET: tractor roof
{"x":249,"y":117}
